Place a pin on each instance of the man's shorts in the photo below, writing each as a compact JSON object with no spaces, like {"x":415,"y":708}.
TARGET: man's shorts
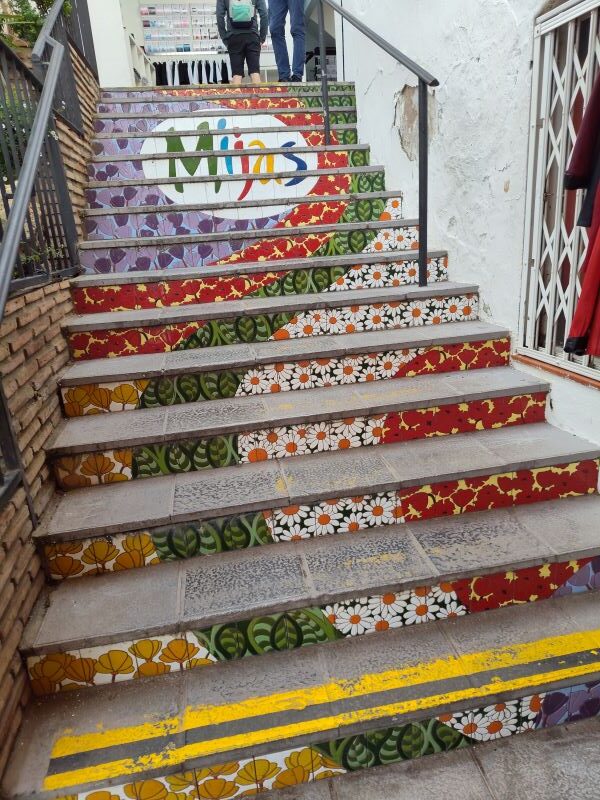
{"x":244,"y":47}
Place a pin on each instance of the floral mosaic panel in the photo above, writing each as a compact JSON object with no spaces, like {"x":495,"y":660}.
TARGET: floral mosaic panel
{"x":283,"y":377}
{"x":376,"y":748}
{"x":96,"y":666}
{"x":304,"y":627}
{"x":346,"y":515}
{"x":93,"y":469}
{"x":151,"y":258}
{"x":500,"y":491}
{"x":169,"y":458}
{"x":278,"y":326}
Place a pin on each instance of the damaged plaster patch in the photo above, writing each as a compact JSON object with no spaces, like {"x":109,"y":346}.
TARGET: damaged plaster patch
{"x":406,"y":119}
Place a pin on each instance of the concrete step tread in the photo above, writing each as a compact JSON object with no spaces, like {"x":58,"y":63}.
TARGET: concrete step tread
{"x":247,"y":89}
{"x":543,"y":766}
{"x":332,"y":148}
{"x":262,"y":234}
{"x":263,"y":176}
{"x":222,"y":417}
{"x":259,"y":706}
{"x":177,"y":208}
{"x":197,"y":593}
{"x":213,"y":359}
{"x":251,"y":306}
{"x":218,"y":112}
{"x":99,"y":135}
{"x":165,"y":97}
{"x":250,"y":267}
{"x":156,"y":502}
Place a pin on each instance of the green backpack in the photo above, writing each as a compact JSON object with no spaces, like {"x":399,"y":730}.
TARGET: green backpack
{"x":242,"y":13}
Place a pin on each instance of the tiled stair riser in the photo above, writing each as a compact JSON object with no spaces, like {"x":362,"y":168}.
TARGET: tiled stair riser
{"x":191,"y":649}
{"x":185,"y":291}
{"x":330,"y":178}
{"x":132,"y":143}
{"x":282,"y":377}
{"x":249,"y":161}
{"x":180,"y":220}
{"x":225,"y":91}
{"x":278,"y":326}
{"x":326,"y":759}
{"x":294,"y":116}
{"x":247,"y":447}
{"x":137,"y":549}
{"x":273,"y":246}
{"x":262,"y":244}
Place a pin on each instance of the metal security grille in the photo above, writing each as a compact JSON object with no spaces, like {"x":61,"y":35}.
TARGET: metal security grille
{"x":566,"y":61}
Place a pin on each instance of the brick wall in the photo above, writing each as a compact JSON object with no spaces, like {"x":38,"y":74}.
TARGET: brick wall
{"x":32,"y":353}
{"x":77,"y":152}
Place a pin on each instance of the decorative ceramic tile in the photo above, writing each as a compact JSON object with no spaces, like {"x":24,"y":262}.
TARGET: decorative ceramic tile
{"x":97,"y":399}
{"x":93,"y":469}
{"x":95,"y":666}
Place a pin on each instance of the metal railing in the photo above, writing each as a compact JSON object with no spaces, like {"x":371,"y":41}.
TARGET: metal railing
{"x":566,"y":61}
{"x":37,"y":222}
{"x":425,"y":80}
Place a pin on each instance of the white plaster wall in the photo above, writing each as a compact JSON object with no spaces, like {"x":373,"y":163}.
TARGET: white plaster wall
{"x":110,"y":41}
{"x":481,"y":51}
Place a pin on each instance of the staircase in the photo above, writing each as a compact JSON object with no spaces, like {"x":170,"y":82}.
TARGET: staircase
{"x":280,"y":457}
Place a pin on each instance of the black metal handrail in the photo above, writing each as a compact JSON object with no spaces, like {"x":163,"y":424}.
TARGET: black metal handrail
{"x":37,"y":221}
{"x":426,"y":79}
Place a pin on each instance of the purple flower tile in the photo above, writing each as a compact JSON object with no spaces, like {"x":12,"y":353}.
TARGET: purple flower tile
{"x":555,"y":709}
{"x":586,"y":579}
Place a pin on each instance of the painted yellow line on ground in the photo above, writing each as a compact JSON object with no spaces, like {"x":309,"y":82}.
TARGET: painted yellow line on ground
{"x":175,"y":757}
{"x":440,"y":669}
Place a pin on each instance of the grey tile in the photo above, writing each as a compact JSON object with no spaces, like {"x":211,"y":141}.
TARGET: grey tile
{"x":242,"y":588}
{"x":581,"y":612}
{"x":453,"y":776}
{"x":203,"y":359}
{"x":105,"y":431}
{"x":570,"y":526}
{"x":276,"y":673}
{"x":118,"y":507}
{"x":494,"y":381}
{"x":526,"y":446}
{"x":114,"y":608}
{"x":508,"y":626}
{"x":292,"y":349}
{"x":322,"y":477}
{"x":482,"y":541}
{"x":80,"y":712}
{"x":440,"y":459}
{"x":220,"y":416}
{"x":215,"y":493}
{"x":548,"y":765}
{"x":201,"y":311}
{"x":367,"y":563}
{"x":113,"y":369}
{"x":318,"y":790}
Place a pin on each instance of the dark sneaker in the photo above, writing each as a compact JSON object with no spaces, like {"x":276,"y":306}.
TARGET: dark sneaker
{"x":286,"y":80}
{"x":295,"y":79}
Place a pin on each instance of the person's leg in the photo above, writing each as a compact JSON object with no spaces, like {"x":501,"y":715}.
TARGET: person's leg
{"x":253,"y":57}
{"x":277,"y":14}
{"x":235,"y":45}
{"x":298,"y":30}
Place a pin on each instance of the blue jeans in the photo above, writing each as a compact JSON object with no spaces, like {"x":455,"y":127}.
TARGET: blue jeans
{"x":278,"y":11}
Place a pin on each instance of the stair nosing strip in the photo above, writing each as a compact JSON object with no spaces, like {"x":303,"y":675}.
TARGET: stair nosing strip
{"x":254,"y":233}
{"x":258,"y":357}
{"x":292,"y":416}
{"x":223,"y":111}
{"x":103,"y":135}
{"x":248,"y":306}
{"x":348,"y":197}
{"x":248,"y":267}
{"x":331,"y":148}
{"x":392,"y":482}
{"x":314,"y":173}
{"x":289,"y":550}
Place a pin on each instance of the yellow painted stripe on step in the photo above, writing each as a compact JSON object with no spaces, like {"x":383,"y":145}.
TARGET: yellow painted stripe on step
{"x":128,"y":768}
{"x":196,"y":717}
